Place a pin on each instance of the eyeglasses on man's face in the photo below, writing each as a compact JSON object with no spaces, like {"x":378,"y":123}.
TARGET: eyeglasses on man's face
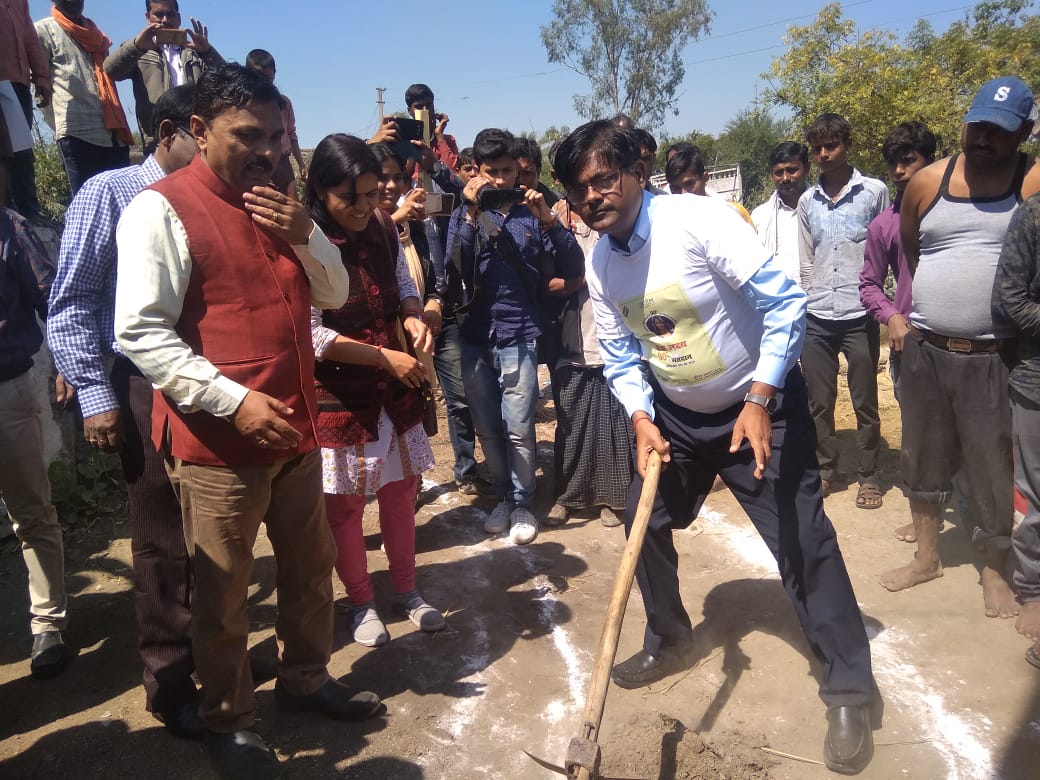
{"x":606,"y":184}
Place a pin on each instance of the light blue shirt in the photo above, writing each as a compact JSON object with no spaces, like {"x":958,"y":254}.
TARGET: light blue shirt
{"x":768,"y":293}
{"x":82,"y":304}
{"x":831,"y":244}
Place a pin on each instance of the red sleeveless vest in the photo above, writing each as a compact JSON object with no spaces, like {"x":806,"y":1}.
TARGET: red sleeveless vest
{"x":247,"y":311}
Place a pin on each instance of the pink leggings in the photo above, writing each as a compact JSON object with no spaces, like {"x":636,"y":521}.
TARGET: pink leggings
{"x":397,"y":525}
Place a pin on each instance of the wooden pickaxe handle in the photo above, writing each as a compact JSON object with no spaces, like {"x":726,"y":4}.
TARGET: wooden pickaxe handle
{"x":608,"y":642}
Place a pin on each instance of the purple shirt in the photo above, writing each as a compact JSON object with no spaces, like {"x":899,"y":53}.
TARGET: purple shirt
{"x":884,"y":250}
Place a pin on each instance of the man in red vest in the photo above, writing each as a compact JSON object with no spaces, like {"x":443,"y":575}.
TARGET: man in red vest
{"x":217,"y":274}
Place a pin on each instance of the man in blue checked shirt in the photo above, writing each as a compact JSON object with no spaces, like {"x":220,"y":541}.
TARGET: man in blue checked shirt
{"x":116,"y":402}
{"x":700,"y":330}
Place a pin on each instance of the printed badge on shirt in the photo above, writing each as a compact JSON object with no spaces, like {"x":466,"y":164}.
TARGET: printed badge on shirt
{"x":673,"y":335}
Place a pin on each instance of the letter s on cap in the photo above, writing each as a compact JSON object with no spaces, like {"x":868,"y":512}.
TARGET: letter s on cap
{"x":1002,"y":94}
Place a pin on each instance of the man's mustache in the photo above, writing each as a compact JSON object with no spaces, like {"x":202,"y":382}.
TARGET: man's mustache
{"x":262,"y":162}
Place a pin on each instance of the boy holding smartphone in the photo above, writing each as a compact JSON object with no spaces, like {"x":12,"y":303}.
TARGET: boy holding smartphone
{"x":496,"y":246}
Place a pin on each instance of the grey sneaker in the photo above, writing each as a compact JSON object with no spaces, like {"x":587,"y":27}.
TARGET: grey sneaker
{"x":611,"y":518}
{"x":498,"y":520}
{"x":524,"y":526}
{"x":366,"y":626}
{"x":557,"y":516}
{"x":415,"y":608}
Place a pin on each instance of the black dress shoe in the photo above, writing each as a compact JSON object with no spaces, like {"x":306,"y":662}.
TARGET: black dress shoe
{"x":850,"y":744}
{"x":333,"y":700}
{"x":50,"y":655}
{"x":263,"y":668}
{"x":644,"y":668}
{"x":240,"y":755}
{"x":182,"y":720}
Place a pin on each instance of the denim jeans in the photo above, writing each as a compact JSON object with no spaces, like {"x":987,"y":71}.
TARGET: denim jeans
{"x":83,"y":160}
{"x":447,"y":360}
{"x":502,"y":390}
{"x":21,"y":179}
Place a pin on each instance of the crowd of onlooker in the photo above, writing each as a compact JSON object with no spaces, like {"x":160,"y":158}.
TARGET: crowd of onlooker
{"x":179,"y":306}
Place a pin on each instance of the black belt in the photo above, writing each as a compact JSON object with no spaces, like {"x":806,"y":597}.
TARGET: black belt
{"x":954,"y":344}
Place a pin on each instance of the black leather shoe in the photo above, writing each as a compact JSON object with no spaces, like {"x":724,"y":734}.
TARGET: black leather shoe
{"x":333,"y":700}
{"x":240,"y":755}
{"x":50,"y":655}
{"x":182,"y":720}
{"x":644,"y":668}
{"x":263,"y":668}
{"x":850,"y":744}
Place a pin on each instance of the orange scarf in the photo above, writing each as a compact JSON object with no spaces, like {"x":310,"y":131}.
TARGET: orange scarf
{"x":96,"y":44}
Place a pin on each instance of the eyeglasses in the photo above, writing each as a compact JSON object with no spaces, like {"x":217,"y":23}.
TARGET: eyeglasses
{"x":606,"y":184}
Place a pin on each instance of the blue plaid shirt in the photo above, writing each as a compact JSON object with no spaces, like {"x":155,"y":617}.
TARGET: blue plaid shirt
{"x":80,"y":329}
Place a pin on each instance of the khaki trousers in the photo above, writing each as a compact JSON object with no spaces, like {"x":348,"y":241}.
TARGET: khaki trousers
{"x":26,"y":491}
{"x":223,"y":508}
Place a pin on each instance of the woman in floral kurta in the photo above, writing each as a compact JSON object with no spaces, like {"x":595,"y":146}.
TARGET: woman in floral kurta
{"x":369,"y":408}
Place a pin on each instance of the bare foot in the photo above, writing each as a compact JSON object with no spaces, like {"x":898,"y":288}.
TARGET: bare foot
{"x":912,"y":574}
{"x":1028,"y":623}
{"x":997,"y":595}
{"x":905,"y":533}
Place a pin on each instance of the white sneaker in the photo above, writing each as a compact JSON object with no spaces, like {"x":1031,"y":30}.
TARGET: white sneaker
{"x":415,"y":608}
{"x":367,"y":628}
{"x":498,"y":520}
{"x":524,"y":526}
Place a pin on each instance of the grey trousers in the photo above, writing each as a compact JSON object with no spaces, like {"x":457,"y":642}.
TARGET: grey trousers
{"x":1025,"y":539}
{"x":859,"y":341}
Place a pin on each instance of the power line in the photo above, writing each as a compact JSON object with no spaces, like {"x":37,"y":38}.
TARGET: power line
{"x":784,"y":46}
{"x":774,"y":24}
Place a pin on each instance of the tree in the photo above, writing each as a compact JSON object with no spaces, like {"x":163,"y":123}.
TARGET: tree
{"x":629,"y":50}
{"x":748,"y":139}
{"x":876,"y":81}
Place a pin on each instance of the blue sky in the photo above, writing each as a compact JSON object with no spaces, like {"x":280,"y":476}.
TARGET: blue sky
{"x":483,"y":58}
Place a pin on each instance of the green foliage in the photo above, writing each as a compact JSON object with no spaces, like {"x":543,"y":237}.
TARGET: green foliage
{"x":548,"y":141}
{"x":52,"y":184}
{"x":876,"y":81}
{"x":92,"y":490}
{"x":746,"y":140}
{"x":629,"y":50}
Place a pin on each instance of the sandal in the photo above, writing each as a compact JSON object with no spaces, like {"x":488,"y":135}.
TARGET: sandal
{"x":869,"y":497}
{"x":1033,"y":655}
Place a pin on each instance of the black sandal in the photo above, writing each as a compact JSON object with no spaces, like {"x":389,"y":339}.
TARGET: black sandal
{"x":869,"y":497}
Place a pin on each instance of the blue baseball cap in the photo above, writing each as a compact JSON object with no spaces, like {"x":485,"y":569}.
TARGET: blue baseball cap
{"x":1006,"y":102}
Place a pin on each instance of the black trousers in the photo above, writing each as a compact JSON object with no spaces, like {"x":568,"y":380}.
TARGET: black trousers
{"x":786,"y":507}
{"x":162,"y":569}
{"x":859,"y":341}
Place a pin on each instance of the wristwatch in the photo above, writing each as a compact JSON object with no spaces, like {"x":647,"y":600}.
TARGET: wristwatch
{"x":765,"y":401}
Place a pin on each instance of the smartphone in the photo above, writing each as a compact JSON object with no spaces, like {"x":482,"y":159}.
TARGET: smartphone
{"x":174,"y":37}
{"x":497,"y":198}
{"x":408,"y":129}
{"x":439,"y":204}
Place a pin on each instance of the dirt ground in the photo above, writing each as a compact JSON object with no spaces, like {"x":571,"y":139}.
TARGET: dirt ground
{"x":510,"y":672}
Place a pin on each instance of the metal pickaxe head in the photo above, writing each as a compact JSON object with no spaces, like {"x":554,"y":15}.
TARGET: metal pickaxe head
{"x":584,"y":754}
